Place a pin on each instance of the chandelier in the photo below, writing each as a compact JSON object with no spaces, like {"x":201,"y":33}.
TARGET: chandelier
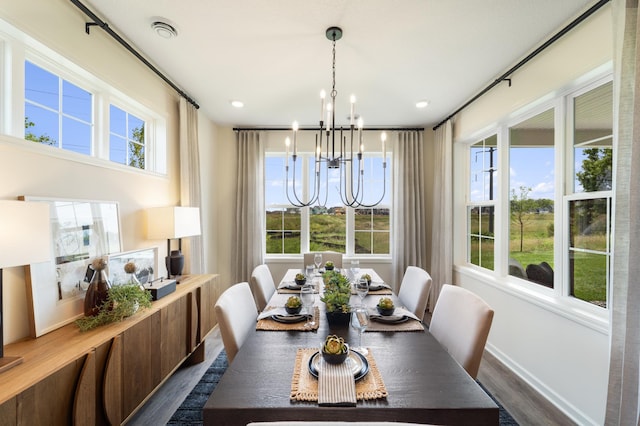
{"x":334,"y":149}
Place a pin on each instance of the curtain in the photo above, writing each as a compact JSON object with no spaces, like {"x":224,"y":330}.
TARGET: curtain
{"x":190,"y":195}
{"x":248,"y":244}
{"x":442,"y":228}
{"x":409,"y":221}
{"x":624,"y":364}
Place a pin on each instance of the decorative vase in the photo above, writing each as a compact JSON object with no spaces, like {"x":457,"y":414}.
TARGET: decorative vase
{"x":133,"y":280}
{"x":338,"y":319}
{"x":96,"y":293}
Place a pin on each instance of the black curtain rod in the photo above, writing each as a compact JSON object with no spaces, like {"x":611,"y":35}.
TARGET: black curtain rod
{"x":100,"y":23}
{"x":504,"y":77}
{"x":390,"y":129}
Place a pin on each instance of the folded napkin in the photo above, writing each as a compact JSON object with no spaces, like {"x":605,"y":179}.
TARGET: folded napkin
{"x":398,"y":314}
{"x":336,"y":385}
{"x":379,"y":285}
{"x":269,"y":312}
{"x":291,"y":285}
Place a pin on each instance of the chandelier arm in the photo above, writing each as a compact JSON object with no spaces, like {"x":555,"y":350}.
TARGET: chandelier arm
{"x":286,"y":190}
{"x":384,"y":188}
{"x":299,"y":203}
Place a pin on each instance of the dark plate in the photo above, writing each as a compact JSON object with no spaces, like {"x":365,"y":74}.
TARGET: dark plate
{"x":288,"y":319}
{"x":391,"y":319}
{"x":360,"y":365}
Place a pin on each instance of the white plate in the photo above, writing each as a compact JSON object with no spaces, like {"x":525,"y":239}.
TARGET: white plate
{"x":358,"y":363}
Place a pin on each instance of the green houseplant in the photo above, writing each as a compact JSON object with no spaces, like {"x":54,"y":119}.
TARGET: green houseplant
{"x":337,"y":292}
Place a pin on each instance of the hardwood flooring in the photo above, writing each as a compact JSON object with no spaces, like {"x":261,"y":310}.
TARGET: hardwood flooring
{"x":525,"y":405}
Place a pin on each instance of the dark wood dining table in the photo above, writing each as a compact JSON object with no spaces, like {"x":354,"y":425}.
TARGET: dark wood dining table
{"x":424,"y":383}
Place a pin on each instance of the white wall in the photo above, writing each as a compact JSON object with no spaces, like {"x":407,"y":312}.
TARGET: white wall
{"x":562,"y":357}
{"x":27,"y":169}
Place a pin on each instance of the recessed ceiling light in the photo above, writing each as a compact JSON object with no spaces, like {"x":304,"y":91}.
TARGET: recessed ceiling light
{"x":422,"y":104}
{"x":164,"y":30}
{"x":237,"y":104}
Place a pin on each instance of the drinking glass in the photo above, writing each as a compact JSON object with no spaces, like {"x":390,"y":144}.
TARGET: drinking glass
{"x":359,"y":322}
{"x":362,"y":288}
{"x":309,"y":271}
{"x":308,"y":298}
{"x":317,"y":259}
{"x":355,"y":268}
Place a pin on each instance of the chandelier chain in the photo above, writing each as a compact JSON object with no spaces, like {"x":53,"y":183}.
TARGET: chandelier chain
{"x":334,"y":93}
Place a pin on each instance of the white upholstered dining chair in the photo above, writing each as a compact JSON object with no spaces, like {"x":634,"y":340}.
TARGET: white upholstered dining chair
{"x":236,"y":314}
{"x":461,"y":322}
{"x":262,"y":286}
{"x":414,"y":290}
{"x":333,"y":256}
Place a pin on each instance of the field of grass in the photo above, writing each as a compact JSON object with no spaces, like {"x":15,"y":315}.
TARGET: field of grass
{"x":588,"y":270}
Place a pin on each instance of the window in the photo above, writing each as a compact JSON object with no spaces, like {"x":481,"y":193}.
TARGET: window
{"x":57,"y":112}
{"x":554,"y":192}
{"x":330,"y":226}
{"x":481,"y":205}
{"x":531,"y":195}
{"x":126,"y":138}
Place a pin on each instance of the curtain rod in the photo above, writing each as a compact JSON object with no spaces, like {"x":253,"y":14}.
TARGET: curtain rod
{"x":377,"y":129}
{"x":100,"y":23}
{"x":504,"y":77}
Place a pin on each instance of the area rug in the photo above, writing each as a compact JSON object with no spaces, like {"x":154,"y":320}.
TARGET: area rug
{"x":190,"y":411}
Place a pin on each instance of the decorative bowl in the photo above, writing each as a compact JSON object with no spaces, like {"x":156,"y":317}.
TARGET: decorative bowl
{"x":335,"y":358}
{"x":300,"y":282}
{"x":293,"y":311}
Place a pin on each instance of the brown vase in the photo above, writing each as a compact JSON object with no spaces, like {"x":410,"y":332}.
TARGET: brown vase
{"x":96,"y":293}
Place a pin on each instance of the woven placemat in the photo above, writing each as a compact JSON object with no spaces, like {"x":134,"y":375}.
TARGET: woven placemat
{"x":409,"y":325}
{"x":267,"y":324}
{"x":304,"y":387}
{"x":382,"y":292}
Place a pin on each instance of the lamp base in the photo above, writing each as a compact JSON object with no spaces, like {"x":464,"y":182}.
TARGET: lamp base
{"x":7,"y":362}
{"x":174,"y":263}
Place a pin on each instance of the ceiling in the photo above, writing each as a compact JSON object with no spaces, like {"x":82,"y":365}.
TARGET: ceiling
{"x":274,"y":55}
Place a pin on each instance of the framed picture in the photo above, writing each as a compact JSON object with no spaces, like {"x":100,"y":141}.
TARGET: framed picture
{"x":81,"y":230}
{"x":146,"y":261}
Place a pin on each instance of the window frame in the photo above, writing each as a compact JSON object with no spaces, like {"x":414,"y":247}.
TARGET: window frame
{"x":558,"y":299}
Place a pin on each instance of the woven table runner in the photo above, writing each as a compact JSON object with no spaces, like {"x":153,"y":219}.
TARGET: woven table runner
{"x":409,"y":325}
{"x":268,"y":324}
{"x":304,"y":387}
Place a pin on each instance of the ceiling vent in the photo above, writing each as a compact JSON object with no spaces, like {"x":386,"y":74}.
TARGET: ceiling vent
{"x":164,"y":30}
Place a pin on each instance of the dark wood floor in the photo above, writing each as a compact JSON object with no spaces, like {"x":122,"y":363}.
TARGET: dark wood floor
{"x":525,"y":405}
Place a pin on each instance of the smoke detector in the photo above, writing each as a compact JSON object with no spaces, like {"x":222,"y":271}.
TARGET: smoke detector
{"x":164,"y":30}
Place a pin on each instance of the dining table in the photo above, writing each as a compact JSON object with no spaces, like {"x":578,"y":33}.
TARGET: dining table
{"x":410,"y":376}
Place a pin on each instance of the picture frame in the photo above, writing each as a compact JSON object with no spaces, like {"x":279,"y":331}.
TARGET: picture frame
{"x":81,"y":230}
{"x":146,"y":261}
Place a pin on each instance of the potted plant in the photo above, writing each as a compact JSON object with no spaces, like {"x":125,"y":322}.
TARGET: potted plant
{"x":367,"y":277}
{"x":337,"y":292}
{"x":328,"y":266}
{"x":293,"y":305}
{"x":385,"y":306}
{"x":300,"y":279}
{"x":334,"y":349}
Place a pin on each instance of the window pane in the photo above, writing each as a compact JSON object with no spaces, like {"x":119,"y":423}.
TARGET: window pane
{"x":76,"y":102}
{"x":372,"y":231}
{"x":481,"y":240}
{"x":117,"y":121}
{"x":593,"y":136}
{"x":136,"y":155}
{"x":41,"y":86}
{"x":283,"y":230}
{"x":588,"y":274}
{"x":328,"y":231}
{"x":117,"y":149}
{"x":41,"y":125}
{"x":484,"y":160}
{"x":76,"y":136}
{"x":532,"y":191}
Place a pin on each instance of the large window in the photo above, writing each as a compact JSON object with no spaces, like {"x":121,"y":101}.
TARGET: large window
{"x":327,"y":225}
{"x":57,"y":112}
{"x":554,"y":193}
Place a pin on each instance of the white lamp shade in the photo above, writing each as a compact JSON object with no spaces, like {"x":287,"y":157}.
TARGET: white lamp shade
{"x":25,"y":233}
{"x":173,"y":222}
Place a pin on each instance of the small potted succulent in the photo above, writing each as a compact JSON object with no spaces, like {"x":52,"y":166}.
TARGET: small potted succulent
{"x":293,"y":305}
{"x":367,"y":277}
{"x":385,"y":306}
{"x":336,"y":297}
{"x":334,"y":350}
{"x":328,"y":266}
{"x":300,"y":279}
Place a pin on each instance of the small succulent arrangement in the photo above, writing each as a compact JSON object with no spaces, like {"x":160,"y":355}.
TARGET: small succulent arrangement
{"x":300,"y":279}
{"x":334,"y":349}
{"x":293,"y":305}
{"x":328,"y":266}
{"x":121,"y":300}
{"x":385,"y":306}
{"x":337,"y":292}
{"x":366,"y":277}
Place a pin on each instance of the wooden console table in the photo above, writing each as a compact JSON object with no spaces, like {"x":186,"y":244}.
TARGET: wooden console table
{"x":103,"y":376}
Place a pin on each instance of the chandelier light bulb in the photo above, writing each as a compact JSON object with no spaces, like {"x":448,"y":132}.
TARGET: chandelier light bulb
{"x":351,"y":114}
{"x":323,"y":95}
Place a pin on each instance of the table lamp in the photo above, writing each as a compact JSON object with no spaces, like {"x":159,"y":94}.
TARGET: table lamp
{"x":173,"y":223}
{"x":25,"y":238}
